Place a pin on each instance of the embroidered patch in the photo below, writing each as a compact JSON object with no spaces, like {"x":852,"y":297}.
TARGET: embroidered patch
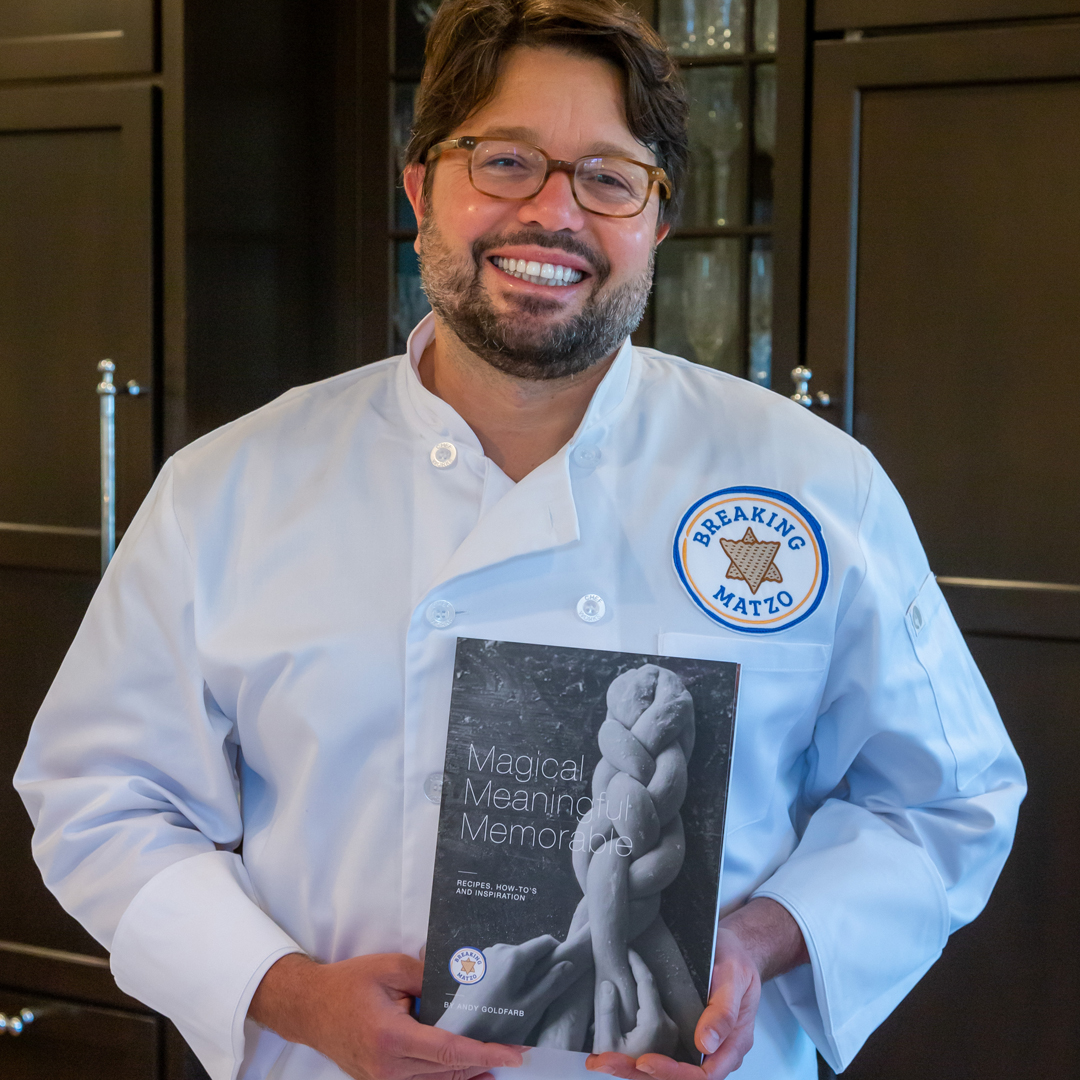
{"x":752,"y":559}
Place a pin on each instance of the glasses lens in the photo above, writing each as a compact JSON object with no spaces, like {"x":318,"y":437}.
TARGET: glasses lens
{"x":611,"y":185}
{"x":507,"y":170}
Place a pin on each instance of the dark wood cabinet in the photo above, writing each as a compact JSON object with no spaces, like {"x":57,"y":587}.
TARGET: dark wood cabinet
{"x":54,"y":38}
{"x":943,"y":266}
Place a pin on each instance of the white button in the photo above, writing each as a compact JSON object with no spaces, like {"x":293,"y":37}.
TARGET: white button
{"x":433,"y":787}
{"x":443,"y":455}
{"x":590,"y":608}
{"x":440,"y":614}
{"x":587,"y":457}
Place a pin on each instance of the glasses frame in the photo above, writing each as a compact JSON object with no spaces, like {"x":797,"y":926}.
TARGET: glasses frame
{"x":657,"y":176}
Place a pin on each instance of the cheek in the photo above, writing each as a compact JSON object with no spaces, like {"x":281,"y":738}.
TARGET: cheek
{"x":463,"y":213}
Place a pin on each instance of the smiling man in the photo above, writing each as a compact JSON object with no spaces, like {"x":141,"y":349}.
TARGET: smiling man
{"x":270,"y":655}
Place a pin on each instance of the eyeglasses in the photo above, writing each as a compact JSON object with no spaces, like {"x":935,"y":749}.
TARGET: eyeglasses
{"x":607,"y":185}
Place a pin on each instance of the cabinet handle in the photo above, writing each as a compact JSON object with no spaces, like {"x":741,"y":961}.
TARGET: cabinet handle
{"x":801,"y":377}
{"x":107,"y":391}
{"x":16,"y":1023}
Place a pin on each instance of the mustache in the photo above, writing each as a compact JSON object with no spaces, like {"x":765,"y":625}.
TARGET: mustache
{"x":601,"y":265}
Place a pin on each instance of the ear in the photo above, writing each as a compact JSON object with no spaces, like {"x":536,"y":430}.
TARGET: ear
{"x":414,"y":190}
{"x":661,"y":232}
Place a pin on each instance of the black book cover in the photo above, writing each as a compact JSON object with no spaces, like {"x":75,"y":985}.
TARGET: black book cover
{"x":577,"y":873}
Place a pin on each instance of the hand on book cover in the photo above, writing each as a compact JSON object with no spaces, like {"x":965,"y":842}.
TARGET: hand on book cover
{"x":654,"y":1030}
{"x":514,"y":993}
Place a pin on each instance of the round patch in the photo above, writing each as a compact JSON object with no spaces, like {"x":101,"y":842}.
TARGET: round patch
{"x":467,"y":966}
{"x":752,"y":559}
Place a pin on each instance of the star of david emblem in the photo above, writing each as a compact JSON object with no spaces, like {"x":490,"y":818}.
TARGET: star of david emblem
{"x":752,"y":560}
{"x":468,"y":966}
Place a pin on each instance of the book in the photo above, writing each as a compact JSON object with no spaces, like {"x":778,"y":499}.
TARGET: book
{"x":577,"y":872}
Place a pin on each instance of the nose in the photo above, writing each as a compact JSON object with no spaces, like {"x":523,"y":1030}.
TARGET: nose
{"x":553,"y":207}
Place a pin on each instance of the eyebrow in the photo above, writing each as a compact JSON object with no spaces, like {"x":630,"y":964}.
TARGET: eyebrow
{"x":531,"y":136}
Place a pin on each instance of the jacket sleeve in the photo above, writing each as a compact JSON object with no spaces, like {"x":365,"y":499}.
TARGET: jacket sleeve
{"x":910,"y":800}
{"x":130,"y":778}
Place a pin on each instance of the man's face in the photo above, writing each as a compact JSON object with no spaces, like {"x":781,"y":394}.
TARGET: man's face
{"x":571,"y":106}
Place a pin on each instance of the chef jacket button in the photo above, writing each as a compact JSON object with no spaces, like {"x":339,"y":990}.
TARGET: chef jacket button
{"x":443,"y":455}
{"x":433,"y":787}
{"x":440,"y":614}
{"x":591,"y":608}
{"x":587,"y":457}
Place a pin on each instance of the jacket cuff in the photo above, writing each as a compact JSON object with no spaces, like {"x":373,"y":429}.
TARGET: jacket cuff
{"x":874,"y":915}
{"x":194,"y":945}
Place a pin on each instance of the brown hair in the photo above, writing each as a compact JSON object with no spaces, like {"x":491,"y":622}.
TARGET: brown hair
{"x":468,"y":39}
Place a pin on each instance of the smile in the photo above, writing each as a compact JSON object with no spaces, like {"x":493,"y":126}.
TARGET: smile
{"x":538,"y":273}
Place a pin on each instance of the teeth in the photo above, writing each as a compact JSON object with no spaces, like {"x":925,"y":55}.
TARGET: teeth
{"x":538,"y":273}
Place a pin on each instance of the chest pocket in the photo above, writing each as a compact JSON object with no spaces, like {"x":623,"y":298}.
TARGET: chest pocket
{"x":780,"y":686}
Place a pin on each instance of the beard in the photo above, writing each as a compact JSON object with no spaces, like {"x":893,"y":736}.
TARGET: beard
{"x":518,"y":342}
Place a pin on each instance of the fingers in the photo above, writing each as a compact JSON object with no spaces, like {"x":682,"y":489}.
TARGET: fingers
{"x":607,"y":1033}
{"x":615,"y":1064}
{"x":537,"y":948}
{"x":439,"y":1050}
{"x":650,"y":1010}
{"x":549,"y":988}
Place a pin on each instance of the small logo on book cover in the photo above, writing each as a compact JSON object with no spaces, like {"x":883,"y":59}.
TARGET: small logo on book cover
{"x":752,"y":559}
{"x":467,"y":966}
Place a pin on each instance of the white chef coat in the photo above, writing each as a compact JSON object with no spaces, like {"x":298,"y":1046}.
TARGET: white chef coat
{"x":259,"y":664}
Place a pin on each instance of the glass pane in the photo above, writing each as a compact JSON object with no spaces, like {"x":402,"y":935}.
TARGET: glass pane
{"x":703,"y":27}
{"x":765,"y":14}
{"x":404,"y":95}
{"x":716,"y":187}
{"x":697,"y":302}
{"x":412,"y":18}
{"x":764,"y":142}
{"x":410,"y":303}
{"x":761,"y":311}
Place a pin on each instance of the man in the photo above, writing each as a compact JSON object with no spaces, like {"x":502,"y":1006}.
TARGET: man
{"x":269,"y":657}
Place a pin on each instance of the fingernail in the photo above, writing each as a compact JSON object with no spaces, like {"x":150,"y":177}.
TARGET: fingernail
{"x":645,"y":1069}
{"x":711,"y":1041}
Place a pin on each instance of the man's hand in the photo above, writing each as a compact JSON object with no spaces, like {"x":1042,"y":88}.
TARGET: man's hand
{"x":358,"y":1013}
{"x":754,"y":944}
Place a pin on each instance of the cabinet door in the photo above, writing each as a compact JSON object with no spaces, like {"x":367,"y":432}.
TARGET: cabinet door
{"x":76,"y":286}
{"x":66,"y":1040}
{"x":943,"y":275}
{"x":49,"y":38}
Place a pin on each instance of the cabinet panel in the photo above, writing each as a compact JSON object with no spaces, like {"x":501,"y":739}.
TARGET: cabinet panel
{"x":852,"y":14}
{"x":77,"y":272}
{"x":49,"y":38}
{"x":71,"y":1041}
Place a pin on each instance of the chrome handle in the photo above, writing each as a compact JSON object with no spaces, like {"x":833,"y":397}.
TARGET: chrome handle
{"x":801,"y":377}
{"x":16,"y":1023}
{"x":107,"y":402}
{"x":107,"y":391}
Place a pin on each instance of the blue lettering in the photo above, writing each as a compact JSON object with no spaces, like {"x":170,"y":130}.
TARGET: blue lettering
{"x":711,"y":526}
{"x":796,"y":542}
{"x":702,"y":538}
{"x":724,"y":596}
{"x":758,"y":514}
{"x":721,"y":516}
{"x":783,"y":527}
{"x":771,"y":520}
{"x":741,"y":606}
{"x":740,"y":514}
{"x":780,"y":596}
{"x":755,"y":604}
{"x":772,"y":607}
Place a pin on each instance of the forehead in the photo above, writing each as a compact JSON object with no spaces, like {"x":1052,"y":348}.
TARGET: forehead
{"x":567,"y":103}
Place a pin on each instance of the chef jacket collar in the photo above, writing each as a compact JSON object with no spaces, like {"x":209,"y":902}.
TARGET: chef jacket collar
{"x":441,"y":419}
{"x":539,"y":512}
